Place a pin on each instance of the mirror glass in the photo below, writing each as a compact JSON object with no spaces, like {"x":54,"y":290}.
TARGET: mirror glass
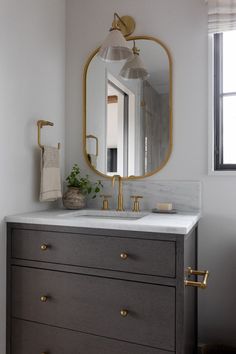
{"x":128,"y":122}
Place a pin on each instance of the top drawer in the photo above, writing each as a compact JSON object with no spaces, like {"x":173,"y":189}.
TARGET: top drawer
{"x":113,"y":253}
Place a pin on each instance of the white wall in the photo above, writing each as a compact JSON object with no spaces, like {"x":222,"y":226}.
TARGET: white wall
{"x":182,"y":25}
{"x":32,"y":65}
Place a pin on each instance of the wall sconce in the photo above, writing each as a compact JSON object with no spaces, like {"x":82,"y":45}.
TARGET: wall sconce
{"x":134,"y":67}
{"x":115,"y":46}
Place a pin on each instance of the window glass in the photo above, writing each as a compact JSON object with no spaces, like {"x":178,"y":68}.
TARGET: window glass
{"x":229,"y":129}
{"x":225,"y":100}
{"x":229,"y":61}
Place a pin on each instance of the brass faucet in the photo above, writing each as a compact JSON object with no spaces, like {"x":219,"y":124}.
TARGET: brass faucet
{"x":120,"y":206}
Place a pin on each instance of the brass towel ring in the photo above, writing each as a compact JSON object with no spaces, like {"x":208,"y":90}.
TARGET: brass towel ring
{"x":91,"y":136}
{"x":41,"y":124}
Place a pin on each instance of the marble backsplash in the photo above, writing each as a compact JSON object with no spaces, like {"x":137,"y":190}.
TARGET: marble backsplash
{"x":185,"y":195}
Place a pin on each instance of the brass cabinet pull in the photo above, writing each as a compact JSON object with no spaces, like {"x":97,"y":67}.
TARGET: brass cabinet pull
{"x":43,"y":298}
{"x":124,"y":313}
{"x":199,"y":284}
{"x":123,"y":255}
{"x":44,"y":247}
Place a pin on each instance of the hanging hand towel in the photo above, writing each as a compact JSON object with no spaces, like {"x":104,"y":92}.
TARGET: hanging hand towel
{"x":93,"y":160}
{"x":50,"y":187}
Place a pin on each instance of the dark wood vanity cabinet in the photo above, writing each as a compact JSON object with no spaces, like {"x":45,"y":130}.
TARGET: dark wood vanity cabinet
{"x":95,"y":291}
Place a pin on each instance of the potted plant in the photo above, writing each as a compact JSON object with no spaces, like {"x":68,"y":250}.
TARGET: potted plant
{"x":78,"y":188}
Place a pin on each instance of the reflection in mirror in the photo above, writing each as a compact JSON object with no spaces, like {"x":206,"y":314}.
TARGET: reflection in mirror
{"x":128,"y":121}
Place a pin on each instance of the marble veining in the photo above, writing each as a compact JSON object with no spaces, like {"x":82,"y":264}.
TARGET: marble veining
{"x":180,"y":223}
{"x":185,"y":195}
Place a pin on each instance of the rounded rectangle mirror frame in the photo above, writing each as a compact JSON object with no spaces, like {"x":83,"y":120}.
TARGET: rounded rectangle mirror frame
{"x":170,"y":146}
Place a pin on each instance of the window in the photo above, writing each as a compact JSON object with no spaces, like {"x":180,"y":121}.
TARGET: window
{"x":225,"y":100}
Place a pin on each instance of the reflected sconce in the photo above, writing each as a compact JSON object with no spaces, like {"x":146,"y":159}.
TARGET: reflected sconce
{"x":134,"y":67}
{"x":115,"y":46}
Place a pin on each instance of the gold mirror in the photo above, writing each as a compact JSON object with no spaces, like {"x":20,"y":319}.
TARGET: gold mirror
{"x":128,"y":122}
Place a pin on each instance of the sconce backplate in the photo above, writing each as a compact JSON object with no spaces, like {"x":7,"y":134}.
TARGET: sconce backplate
{"x":129,"y":27}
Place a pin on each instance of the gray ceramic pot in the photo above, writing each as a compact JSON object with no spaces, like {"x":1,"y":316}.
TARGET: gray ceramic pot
{"x":73,"y":199}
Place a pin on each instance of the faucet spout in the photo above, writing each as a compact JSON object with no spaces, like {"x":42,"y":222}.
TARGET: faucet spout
{"x":120,"y":206}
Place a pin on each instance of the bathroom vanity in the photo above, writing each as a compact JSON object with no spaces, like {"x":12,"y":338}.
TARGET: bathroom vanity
{"x":88,"y":285}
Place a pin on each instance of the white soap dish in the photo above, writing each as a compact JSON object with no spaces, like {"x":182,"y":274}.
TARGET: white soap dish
{"x":160,"y":211}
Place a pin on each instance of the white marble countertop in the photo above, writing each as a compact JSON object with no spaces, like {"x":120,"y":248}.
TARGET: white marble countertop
{"x":179,"y":223}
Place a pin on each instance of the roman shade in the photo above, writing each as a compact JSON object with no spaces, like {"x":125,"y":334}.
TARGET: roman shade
{"x":221,"y":15}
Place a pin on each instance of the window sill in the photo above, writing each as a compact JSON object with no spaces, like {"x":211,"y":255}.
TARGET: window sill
{"x":222,"y":173}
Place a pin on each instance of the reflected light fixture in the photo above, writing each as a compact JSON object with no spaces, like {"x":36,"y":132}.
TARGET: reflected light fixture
{"x":115,"y":46}
{"x":134,"y":67}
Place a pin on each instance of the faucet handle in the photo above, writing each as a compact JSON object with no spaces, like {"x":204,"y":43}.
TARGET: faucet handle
{"x":136,"y":206}
{"x":105,"y":203}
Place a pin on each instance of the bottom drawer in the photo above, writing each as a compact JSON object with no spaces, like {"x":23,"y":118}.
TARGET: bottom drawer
{"x":31,"y":338}
{"x":93,"y":305}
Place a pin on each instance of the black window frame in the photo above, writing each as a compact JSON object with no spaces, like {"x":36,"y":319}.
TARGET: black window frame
{"x":219,"y":164}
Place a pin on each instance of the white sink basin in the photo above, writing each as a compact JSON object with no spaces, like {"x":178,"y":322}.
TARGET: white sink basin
{"x":105,"y":214}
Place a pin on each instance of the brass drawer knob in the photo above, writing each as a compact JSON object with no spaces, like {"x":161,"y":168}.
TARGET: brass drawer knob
{"x":123,"y":255}
{"x":43,"y":298}
{"x":44,"y":247}
{"x":124,"y":313}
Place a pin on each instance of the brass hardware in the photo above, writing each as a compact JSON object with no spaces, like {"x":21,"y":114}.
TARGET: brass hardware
{"x":41,"y":124}
{"x":91,"y":136}
{"x":123,"y":255}
{"x":105,"y":203}
{"x":142,"y":103}
{"x":43,"y":247}
{"x":125,"y":24}
{"x":124,"y":313}
{"x":112,"y":99}
{"x":136,"y":206}
{"x":120,"y":206}
{"x":43,"y":298}
{"x":85,"y":102}
{"x":135,"y":49}
{"x":201,"y":285}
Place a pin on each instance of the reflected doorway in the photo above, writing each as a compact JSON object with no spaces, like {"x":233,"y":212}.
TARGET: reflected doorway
{"x":117,"y":130}
{"x":120,"y":128}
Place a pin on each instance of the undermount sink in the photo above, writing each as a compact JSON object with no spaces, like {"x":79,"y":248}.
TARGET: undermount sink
{"x":106,"y":214}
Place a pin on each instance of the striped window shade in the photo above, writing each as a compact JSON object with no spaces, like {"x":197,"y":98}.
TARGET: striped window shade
{"x":221,"y":15}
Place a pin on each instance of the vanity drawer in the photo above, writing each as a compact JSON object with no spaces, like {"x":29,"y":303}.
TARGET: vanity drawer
{"x":125,"y":254}
{"x":93,"y":305}
{"x":32,"y":338}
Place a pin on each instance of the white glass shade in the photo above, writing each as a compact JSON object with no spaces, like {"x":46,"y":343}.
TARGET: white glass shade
{"x":134,"y":69}
{"x":115,"y":47}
